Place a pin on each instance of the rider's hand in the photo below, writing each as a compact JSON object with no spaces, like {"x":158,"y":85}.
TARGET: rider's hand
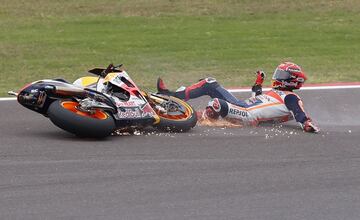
{"x":309,"y":126}
{"x":257,"y":87}
{"x":260,"y":76}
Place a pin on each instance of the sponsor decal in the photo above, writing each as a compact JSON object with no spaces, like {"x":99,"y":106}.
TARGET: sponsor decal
{"x":126,"y":104}
{"x":291,"y":69}
{"x":110,"y":77}
{"x":251,"y":100}
{"x":238,"y":112}
{"x":130,"y":113}
{"x":263,"y":98}
{"x":281,"y":93}
{"x":290,"y":83}
{"x":300,"y":79}
{"x":147,"y":110}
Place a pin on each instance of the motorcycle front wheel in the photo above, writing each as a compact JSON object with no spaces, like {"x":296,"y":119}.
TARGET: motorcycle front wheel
{"x":175,"y":114}
{"x":66,"y":115}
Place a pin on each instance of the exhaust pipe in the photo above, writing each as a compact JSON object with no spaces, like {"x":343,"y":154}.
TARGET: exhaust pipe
{"x":65,"y":91}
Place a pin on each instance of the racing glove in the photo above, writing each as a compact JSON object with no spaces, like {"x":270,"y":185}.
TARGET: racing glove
{"x":260,"y":76}
{"x":309,"y":126}
{"x":257,"y":87}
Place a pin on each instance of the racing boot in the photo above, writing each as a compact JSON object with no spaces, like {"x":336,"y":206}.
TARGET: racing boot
{"x":161,"y":88}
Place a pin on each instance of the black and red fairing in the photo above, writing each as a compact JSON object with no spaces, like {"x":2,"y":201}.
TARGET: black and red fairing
{"x":35,"y":96}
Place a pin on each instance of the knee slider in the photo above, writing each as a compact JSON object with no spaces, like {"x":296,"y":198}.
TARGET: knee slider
{"x":210,"y":82}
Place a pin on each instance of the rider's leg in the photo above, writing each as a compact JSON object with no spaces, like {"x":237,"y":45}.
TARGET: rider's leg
{"x":208,"y":86}
{"x":196,"y":90}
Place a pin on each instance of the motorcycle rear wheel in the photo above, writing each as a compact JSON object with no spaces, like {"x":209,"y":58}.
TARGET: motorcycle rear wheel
{"x":181,"y":119}
{"x":65,"y":115}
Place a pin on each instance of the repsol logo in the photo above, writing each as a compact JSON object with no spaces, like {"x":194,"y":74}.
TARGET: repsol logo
{"x":234,"y":111}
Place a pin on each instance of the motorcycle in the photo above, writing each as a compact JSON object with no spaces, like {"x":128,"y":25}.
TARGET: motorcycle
{"x":96,"y":106}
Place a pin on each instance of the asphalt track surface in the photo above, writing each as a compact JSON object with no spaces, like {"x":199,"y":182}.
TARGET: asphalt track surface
{"x":270,"y":172}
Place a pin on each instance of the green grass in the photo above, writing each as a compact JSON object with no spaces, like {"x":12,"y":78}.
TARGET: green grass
{"x":180,"y":41}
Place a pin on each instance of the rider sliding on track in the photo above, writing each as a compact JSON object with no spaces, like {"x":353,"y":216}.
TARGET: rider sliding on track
{"x":278,"y":105}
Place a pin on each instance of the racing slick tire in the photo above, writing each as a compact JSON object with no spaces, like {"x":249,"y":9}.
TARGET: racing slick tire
{"x":65,"y":115}
{"x":180,"y":120}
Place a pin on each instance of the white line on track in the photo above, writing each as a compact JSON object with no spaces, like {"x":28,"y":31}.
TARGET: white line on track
{"x":8,"y":99}
{"x":265,"y":89}
{"x":303,"y":88}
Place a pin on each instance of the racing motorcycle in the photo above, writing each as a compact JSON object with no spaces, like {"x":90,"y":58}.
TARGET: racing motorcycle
{"x":96,"y":106}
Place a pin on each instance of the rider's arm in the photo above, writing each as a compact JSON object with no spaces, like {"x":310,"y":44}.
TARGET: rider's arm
{"x":295,"y":105}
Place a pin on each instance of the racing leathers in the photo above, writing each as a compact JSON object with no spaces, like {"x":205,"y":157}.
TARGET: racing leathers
{"x":275,"y":105}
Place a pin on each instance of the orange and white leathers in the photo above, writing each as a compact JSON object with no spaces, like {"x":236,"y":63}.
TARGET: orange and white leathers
{"x":266,"y":107}
{"x":275,"y":105}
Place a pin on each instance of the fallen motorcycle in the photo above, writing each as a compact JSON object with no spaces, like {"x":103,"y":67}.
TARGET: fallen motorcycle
{"x":97,"y":106}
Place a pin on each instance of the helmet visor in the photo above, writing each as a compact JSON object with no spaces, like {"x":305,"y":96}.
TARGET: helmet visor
{"x":281,"y":74}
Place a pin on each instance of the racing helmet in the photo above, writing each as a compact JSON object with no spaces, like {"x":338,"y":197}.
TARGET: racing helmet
{"x":288,"y":76}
